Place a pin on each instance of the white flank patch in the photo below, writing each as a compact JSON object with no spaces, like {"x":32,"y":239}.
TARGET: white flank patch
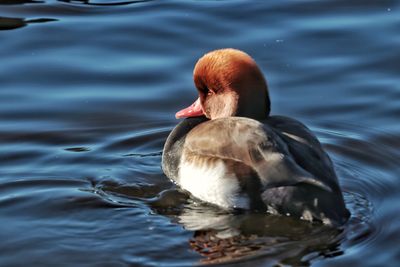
{"x":211,"y":184}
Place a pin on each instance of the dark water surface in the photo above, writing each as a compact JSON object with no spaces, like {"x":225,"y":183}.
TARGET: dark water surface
{"x":88,"y":93}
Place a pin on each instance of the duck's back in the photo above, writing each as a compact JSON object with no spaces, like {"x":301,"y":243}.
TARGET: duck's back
{"x":305,"y":149}
{"x":276,"y":164}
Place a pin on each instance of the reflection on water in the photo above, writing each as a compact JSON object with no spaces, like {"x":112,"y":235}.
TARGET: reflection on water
{"x":14,"y":23}
{"x":225,"y":238}
{"x":87,"y":102}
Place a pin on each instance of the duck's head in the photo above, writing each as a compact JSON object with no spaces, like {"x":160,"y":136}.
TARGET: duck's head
{"x":229,"y":83}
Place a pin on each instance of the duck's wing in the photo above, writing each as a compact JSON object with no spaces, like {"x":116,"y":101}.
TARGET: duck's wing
{"x":255,"y":146}
{"x":305,"y":149}
{"x":308,"y":154}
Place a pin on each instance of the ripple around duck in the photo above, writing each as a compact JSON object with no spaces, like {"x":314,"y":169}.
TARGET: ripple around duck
{"x":225,"y":237}
{"x":366,"y":161}
{"x":216,"y":236}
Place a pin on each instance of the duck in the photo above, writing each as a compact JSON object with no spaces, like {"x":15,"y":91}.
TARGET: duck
{"x":230,"y":152}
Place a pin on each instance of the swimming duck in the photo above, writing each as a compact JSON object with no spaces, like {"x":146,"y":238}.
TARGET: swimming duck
{"x":230,"y":152}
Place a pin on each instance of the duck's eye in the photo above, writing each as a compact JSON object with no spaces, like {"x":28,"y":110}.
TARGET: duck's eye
{"x":208,"y":91}
{"x":205,"y":91}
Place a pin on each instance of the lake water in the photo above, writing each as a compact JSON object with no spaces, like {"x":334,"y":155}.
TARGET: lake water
{"x":88,"y":93}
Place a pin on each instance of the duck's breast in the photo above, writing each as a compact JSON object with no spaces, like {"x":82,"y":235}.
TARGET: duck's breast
{"x":212,"y":180}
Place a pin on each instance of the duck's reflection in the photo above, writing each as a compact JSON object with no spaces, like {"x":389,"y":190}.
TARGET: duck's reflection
{"x":7,"y":23}
{"x":225,"y":237}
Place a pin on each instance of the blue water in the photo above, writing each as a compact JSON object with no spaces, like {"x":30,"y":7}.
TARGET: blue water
{"x":88,"y":93}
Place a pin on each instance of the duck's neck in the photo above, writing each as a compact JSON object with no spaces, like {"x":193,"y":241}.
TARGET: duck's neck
{"x":254,"y":107}
{"x":231,"y":104}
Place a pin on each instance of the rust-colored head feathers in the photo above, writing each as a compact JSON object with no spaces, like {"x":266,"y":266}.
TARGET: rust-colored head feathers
{"x":229,"y":83}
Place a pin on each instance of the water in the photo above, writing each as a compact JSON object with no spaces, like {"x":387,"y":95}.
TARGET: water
{"x":88,"y":93}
